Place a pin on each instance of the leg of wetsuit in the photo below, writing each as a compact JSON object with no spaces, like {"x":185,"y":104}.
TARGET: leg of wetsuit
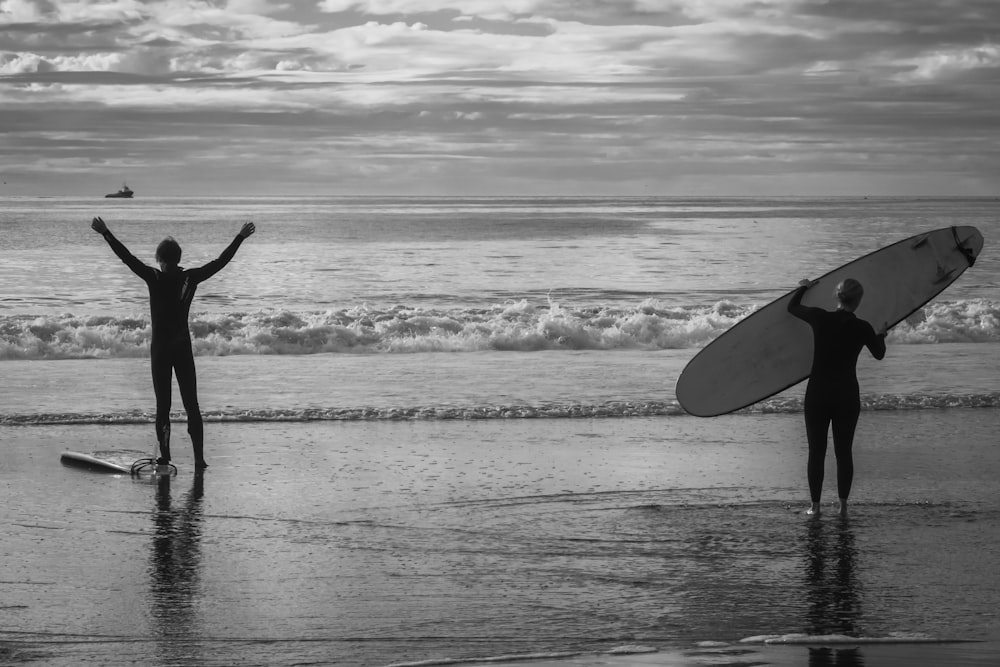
{"x":845,"y":421}
{"x":188,"y":383}
{"x":817,"y":425}
{"x":162,"y":370}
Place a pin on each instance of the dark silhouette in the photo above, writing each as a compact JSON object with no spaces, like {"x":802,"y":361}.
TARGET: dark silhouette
{"x":125,"y":192}
{"x":171,"y":291}
{"x":832,"y":394}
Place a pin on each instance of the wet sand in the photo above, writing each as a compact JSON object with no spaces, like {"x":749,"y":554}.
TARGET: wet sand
{"x":379,"y":543}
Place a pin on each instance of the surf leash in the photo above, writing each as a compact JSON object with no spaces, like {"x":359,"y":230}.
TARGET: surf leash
{"x":152,"y":466}
{"x":149,"y":466}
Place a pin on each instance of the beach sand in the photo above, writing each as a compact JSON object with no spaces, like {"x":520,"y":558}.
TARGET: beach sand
{"x":395,"y":542}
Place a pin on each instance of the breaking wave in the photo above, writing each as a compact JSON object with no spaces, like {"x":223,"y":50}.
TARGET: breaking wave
{"x":516,"y":326}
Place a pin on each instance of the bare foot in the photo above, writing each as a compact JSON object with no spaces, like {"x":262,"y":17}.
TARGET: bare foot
{"x":813,"y":510}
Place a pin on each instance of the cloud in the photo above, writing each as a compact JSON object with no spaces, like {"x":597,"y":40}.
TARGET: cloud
{"x":563,"y":88}
{"x":954,"y":62}
{"x":487,"y":8}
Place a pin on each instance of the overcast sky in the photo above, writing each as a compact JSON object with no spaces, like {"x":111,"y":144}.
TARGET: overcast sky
{"x":672,"y":97}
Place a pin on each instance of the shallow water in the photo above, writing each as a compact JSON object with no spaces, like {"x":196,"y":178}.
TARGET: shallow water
{"x":450,"y":386}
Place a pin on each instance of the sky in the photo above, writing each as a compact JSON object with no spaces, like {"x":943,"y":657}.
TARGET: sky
{"x":500,"y":97}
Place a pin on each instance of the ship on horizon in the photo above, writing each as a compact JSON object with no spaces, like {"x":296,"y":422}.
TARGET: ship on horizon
{"x":124,"y":193}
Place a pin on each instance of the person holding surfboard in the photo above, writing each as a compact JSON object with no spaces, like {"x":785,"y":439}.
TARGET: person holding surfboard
{"x":171,"y":291}
{"x":833,"y":398}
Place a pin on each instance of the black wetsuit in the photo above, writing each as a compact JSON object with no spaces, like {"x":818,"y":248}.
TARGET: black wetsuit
{"x":832,"y":394}
{"x":170,"y":296}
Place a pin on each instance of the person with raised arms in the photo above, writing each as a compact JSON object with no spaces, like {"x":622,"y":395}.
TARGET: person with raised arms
{"x":171,"y":291}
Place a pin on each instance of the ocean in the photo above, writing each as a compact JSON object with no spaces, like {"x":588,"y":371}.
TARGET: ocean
{"x":344,"y":308}
{"x":472,"y":399}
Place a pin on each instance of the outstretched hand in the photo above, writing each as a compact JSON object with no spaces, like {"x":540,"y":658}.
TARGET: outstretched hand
{"x":248,"y":229}
{"x":805,"y":282}
{"x":98,"y":225}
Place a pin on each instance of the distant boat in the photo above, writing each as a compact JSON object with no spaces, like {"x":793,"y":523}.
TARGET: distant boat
{"x":124,"y":193}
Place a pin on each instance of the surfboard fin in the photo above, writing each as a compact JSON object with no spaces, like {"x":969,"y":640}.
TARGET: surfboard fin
{"x":943,"y":274}
{"x":917,"y":318}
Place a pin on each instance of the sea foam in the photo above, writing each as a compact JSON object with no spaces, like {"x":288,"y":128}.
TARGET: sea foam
{"x":514,"y":326}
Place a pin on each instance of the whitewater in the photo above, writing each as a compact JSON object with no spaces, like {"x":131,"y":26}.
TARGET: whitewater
{"x":515,"y":327}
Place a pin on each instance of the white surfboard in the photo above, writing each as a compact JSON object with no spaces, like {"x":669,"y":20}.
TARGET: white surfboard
{"x":97,"y":462}
{"x":771,"y":350}
{"x":118,"y":462}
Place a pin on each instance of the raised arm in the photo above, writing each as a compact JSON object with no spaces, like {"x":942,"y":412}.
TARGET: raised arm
{"x":795,"y":306}
{"x":876,"y":341}
{"x":138,"y":268}
{"x":207,"y":271}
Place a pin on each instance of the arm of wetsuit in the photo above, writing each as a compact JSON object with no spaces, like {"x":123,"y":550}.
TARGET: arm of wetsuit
{"x":875,"y":342}
{"x":216,"y":265}
{"x":795,"y":306}
{"x":138,"y":268}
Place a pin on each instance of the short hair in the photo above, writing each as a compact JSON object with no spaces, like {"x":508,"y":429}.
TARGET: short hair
{"x":849,"y":292}
{"x":169,"y":251}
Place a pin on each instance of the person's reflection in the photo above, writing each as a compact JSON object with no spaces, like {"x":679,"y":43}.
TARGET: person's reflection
{"x":175,"y":565}
{"x":833,"y":591}
{"x":836,"y":657}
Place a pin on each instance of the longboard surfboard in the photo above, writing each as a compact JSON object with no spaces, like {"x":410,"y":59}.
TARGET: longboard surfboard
{"x":771,"y":349}
{"x":116,"y":462}
{"x":108,"y":462}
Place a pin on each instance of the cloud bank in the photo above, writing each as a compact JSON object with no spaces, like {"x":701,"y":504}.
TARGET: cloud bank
{"x":500,"y":96}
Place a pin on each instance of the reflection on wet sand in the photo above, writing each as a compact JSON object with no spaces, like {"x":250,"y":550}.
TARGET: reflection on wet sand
{"x":832,"y":590}
{"x":175,"y":562}
{"x":836,"y":657}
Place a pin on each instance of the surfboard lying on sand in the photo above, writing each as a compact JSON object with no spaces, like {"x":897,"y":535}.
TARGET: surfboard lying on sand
{"x":98,"y":462}
{"x":771,"y":350}
{"x":117,"y":462}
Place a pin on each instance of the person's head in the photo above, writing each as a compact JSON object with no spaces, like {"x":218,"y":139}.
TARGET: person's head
{"x":849,"y":293}
{"x":168,"y":253}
